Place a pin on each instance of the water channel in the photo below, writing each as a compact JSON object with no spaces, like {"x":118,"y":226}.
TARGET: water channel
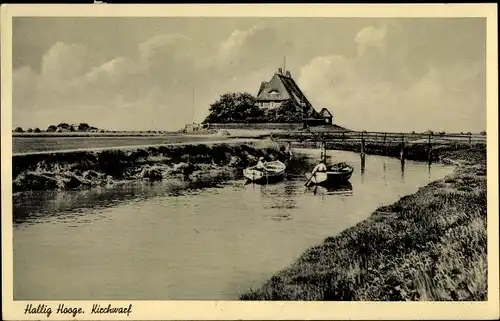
{"x":155,"y":242}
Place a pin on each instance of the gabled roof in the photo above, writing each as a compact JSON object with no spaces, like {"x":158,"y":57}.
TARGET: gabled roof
{"x":325,"y":113}
{"x":286,"y":83}
{"x":262,"y":86}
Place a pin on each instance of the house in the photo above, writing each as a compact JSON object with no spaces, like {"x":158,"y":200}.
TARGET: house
{"x":282,"y":88}
{"x":193,"y":128}
{"x":326,"y":115}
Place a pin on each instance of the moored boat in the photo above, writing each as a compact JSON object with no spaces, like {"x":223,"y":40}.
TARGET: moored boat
{"x":272,"y":172}
{"x":340,"y":172}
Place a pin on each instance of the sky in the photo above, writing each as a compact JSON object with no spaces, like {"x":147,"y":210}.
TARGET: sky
{"x":129,"y":73}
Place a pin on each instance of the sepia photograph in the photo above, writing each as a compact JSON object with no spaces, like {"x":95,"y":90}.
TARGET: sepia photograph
{"x":249,"y":157}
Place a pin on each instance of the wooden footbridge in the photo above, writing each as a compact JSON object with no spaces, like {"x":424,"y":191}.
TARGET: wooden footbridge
{"x":325,"y":139}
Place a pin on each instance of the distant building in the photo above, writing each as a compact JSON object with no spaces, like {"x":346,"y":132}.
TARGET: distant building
{"x":326,"y":115}
{"x":283,"y":88}
{"x":193,"y":128}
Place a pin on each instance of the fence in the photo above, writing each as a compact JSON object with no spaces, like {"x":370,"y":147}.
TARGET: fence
{"x":323,"y":139}
{"x":380,"y":137}
{"x":265,"y":126}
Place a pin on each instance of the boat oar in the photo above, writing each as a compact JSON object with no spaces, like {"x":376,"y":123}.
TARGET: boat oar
{"x":309,"y":180}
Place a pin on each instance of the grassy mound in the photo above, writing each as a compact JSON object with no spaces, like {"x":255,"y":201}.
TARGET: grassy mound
{"x":87,"y":168}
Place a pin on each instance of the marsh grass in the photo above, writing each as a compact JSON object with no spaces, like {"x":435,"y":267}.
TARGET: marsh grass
{"x":427,"y":246}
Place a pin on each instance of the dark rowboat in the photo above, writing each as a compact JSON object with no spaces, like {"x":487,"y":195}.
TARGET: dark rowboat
{"x":336,"y":173}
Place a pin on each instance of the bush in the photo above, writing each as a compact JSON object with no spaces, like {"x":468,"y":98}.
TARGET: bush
{"x":29,"y":130}
{"x":36,"y":130}
{"x":18,"y":130}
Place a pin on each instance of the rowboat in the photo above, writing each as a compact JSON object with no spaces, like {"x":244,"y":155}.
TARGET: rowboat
{"x":340,"y":172}
{"x":273,"y":171}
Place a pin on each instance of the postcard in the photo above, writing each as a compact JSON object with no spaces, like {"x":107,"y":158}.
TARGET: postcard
{"x":249,"y":162}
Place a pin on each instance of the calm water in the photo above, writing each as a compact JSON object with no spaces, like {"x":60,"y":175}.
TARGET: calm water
{"x":159,"y":242}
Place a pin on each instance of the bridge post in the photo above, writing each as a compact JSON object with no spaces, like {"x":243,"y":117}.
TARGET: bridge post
{"x":430,"y":149}
{"x":362,"y":144}
{"x":402,"y":151}
{"x":363,"y":165}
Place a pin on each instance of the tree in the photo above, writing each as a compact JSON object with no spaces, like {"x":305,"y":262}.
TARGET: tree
{"x":30,"y":130}
{"x":36,"y":130}
{"x":51,"y":128}
{"x":18,"y":130}
{"x":64,"y":126}
{"x":234,"y":108}
{"x":83,"y":127}
{"x":285,"y":113}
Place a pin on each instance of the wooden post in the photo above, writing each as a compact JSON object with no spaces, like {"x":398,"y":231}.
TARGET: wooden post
{"x":362,"y":165}
{"x":430,"y":148}
{"x":362,"y":144}
{"x":470,"y":138}
{"x":402,"y":152}
{"x":385,"y":137}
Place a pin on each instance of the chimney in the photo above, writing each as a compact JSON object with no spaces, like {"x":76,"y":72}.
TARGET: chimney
{"x":288,"y":74}
{"x":280,"y":71}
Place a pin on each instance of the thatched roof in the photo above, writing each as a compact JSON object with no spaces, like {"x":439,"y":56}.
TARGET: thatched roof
{"x":287,"y":89}
{"x":325,"y":113}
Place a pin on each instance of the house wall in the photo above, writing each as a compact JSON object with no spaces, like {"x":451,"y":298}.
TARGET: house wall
{"x":269,"y":104}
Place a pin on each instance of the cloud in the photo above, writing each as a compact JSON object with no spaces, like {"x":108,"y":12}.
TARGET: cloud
{"x":64,"y":62}
{"x":403,"y":76}
{"x":362,"y":96}
{"x":371,"y":37}
{"x":73,"y":86}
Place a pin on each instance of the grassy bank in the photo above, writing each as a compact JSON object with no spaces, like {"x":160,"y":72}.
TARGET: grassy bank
{"x":427,"y":246}
{"x":97,"y":168}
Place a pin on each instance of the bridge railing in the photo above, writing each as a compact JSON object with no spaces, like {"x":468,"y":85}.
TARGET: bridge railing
{"x":381,"y":137}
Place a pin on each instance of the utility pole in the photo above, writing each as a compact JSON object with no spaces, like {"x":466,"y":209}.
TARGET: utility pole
{"x":193,"y":106}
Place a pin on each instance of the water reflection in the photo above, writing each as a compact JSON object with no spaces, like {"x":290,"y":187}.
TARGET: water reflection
{"x":35,"y":206}
{"x":344,"y":189}
{"x":276,"y":196}
{"x":402,"y":169}
{"x":363,"y":165}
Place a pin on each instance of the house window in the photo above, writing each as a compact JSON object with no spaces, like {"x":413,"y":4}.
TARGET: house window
{"x":272,"y":104}
{"x":273,"y":94}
